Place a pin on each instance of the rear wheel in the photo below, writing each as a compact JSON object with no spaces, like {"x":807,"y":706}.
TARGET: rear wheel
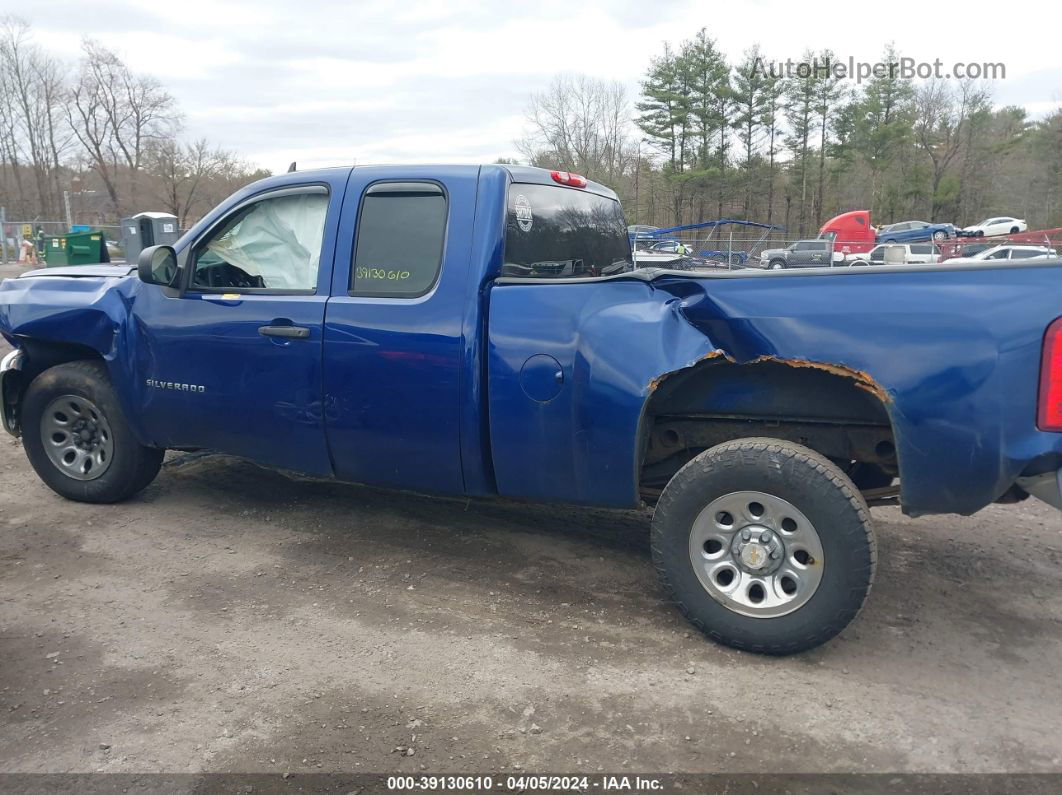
{"x":764,"y":545}
{"x":77,"y":438}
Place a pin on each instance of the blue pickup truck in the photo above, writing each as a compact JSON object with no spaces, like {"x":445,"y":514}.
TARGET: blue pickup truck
{"x":470,"y":330}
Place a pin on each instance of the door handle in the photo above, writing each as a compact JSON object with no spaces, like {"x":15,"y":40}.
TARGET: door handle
{"x":290,"y":332}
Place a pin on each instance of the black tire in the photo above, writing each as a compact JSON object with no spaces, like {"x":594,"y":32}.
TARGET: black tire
{"x":811,"y":483}
{"x":860,"y":263}
{"x":940,"y":235}
{"x":132,"y":466}
{"x":1014,"y":230}
{"x":980,"y":233}
{"x":776,"y":265}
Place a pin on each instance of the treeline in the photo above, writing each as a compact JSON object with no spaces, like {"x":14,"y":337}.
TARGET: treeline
{"x":709,"y":139}
{"x":109,"y":137}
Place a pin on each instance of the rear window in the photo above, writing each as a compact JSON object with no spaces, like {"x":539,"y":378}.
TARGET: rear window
{"x":555,"y":232}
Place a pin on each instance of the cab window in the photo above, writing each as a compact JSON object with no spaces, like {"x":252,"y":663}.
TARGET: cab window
{"x":400,"y":238}
{"x":273,"y":244}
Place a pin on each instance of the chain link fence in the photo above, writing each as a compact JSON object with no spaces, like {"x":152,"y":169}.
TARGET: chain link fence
{"x":15,"y":232}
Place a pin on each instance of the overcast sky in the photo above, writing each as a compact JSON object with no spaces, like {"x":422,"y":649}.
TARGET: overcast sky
{"x":328,"y":83}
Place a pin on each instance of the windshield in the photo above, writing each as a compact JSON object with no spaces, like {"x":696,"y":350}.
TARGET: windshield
{"x":555,"y":232}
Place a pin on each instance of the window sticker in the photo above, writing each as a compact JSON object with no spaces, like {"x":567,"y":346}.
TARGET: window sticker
{"x":524,"y":218}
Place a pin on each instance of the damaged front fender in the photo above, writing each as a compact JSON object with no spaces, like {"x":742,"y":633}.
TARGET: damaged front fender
{"x":63,"y":313}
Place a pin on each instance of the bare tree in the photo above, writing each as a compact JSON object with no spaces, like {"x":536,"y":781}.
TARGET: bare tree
{"x":31,"y":82}
{"x":941,"y":110}
{"x":115,"y":114}
{"x":581,"y":124}
{"x":182,"y":171}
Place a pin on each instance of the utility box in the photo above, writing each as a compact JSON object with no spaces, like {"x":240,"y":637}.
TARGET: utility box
{"x":76,"y":248}
{"x":147,"y":229}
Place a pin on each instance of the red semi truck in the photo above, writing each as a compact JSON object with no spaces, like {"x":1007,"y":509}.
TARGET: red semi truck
{"x":850,"y":232}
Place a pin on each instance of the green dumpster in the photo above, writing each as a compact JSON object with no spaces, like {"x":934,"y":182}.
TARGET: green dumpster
{"x":75,"y":248}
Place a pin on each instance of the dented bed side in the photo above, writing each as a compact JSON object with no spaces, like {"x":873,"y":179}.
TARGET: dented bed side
{"x":953,"y":359}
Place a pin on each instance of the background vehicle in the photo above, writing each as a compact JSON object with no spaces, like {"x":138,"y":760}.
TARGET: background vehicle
{"x":912,"y":231}
{"x":801,"y":254}
{"x":851,"y":232}
{"x":1007,"y":252}
{"x":905,"y":253}
{"x":1000,"y":225}
{"x":509,"y":347}
{"x":725,"y":242}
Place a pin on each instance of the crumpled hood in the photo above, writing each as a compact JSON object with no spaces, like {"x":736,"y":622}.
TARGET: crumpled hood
{"x":86,"y":303}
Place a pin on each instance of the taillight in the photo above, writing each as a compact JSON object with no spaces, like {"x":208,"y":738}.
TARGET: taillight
{"x":1049,"y":417}
{"x":569,"y":179}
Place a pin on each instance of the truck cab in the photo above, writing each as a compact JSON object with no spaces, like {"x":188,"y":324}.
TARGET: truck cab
{"x":850,"y":232}
{"x":801,"y":254}
{"x":482,"y":331}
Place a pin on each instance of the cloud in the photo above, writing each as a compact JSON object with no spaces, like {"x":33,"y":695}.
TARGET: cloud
{"x":326,"y":82}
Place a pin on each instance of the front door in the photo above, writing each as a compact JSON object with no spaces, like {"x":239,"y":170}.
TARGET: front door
{"x":232,"y":361}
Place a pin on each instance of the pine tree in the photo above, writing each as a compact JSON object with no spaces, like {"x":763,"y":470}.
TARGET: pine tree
{"x":752,"y":97}
{"x":664,"y":117}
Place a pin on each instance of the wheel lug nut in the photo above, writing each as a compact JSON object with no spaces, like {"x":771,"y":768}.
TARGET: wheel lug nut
{"x":746,"y":535}
{"x":765,"y":537}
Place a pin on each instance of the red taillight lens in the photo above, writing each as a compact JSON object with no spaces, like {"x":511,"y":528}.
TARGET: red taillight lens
{"x":569,"y":179}
{"x":1049,"y":417}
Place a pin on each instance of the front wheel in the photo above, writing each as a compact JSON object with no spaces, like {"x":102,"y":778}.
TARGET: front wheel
{"x":777,"y":264}
{"x":77,"y":438}
{"x":940,"y":236}
{"x":764,"y":545}
{"x":1014,"y":230}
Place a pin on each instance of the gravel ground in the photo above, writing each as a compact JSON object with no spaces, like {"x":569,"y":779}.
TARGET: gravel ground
{"x":235,"y":619}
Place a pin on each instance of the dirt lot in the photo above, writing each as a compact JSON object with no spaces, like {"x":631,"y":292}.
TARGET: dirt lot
{"x":236,"y":619}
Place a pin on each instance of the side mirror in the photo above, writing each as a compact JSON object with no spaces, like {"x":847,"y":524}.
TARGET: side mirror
{"x":157,"y":265}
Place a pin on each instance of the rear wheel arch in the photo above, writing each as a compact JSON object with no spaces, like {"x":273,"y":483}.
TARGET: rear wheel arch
{"x":840,"y":414}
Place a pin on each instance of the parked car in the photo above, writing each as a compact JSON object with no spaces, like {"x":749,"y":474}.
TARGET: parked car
{"x":1002,"y":225}
{"x":912,"y":231}
{"x":904,"y":253}
{"x":671,"y":247}
{"x":801,"y":254}
{"x":1005,"y":253}
{"x":660,"y":253}
{"x":508,"y":347}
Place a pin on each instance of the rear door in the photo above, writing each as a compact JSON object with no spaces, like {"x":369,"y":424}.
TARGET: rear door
{"x":394,"y":337}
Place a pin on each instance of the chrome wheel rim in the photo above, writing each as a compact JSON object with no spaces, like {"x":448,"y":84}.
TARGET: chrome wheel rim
{"x":77,"y":437}
{"x":756,"y":554}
